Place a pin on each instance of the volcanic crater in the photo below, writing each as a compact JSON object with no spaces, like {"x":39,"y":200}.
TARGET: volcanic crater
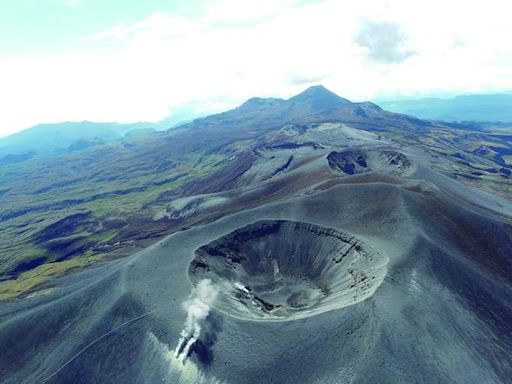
{"x":287,"y":270}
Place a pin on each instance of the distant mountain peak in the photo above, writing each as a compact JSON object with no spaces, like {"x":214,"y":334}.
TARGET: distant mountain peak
{"x":316,"y":103}
{"x":319,"y":95}
{"x":316,"y":90}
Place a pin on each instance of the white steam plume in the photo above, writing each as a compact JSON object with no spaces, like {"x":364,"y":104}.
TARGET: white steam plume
{"x":198,"y":308}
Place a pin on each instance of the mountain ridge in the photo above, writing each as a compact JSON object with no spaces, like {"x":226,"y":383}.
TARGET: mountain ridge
{"x":316,"y":103}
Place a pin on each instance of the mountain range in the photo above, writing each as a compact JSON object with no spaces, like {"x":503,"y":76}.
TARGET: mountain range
{"x":477,"y":111}
{"x":298,"y":240}
{"x":469,"y":108}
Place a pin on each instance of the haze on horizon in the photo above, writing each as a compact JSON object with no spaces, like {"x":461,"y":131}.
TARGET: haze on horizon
{"x":127,"y":61}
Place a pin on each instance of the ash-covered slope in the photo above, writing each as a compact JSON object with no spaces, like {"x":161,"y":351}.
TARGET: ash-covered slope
{"x":316,"y":251}
{"x":440,"y":314}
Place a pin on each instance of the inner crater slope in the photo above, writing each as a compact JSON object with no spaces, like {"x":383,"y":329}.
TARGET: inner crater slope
{"x":286,"y":270}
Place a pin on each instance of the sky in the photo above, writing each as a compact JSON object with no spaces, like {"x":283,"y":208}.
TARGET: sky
{"x":143,"y":60}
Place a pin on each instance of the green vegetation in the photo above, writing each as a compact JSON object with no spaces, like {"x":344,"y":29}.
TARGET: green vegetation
{"x":29,"y":280}
{"x":109,"y":193}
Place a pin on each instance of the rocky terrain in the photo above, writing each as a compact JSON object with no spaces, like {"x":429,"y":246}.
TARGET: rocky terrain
{"x":303,"y":240}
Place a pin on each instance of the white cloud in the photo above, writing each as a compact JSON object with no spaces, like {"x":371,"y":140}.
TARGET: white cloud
{"x":384,"y":41}
{"x":238,"y":49}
